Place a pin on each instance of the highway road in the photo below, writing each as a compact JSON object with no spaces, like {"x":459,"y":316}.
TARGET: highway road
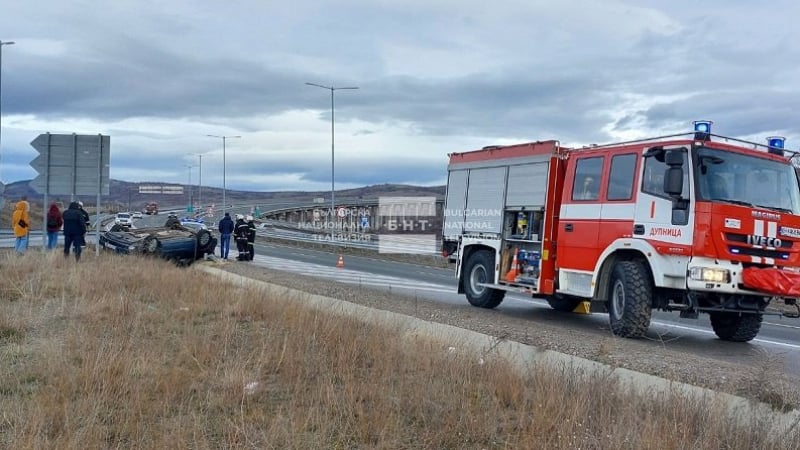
{"x":779,"y":337}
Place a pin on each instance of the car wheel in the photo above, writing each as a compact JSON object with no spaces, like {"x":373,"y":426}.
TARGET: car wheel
{"x":564,"y":303}
{"x":480,"y":269}
{"x":151,"y":245}
{"x":630,"y":299}
{"x":203,"y":239}
{"x":736,"y":327}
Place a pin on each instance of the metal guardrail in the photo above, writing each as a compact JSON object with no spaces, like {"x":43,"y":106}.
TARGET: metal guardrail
{"x":398,"y":245}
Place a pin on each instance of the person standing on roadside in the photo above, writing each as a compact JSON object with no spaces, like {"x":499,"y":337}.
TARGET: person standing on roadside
{"x":74,"y":230}
{"x":85,"y":215}
{"x":226,"y":227}
{"x":240,"y":234}
{"x":21,"y":223}
{"x":54,"y":222}
{"x":251,"y":238}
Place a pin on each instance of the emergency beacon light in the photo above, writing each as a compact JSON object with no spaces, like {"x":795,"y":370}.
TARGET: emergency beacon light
{"x":776,"y":144}
{"x":702,"y":130}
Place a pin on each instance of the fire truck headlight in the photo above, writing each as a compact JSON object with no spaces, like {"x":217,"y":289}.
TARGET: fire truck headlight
{"x":709,"y":274}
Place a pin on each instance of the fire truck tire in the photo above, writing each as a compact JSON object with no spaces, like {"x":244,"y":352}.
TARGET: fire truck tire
{"x":480,"y":269}
{"x":630,"y":299}
{"x":736,"y":327}
{"x":563,"y":303}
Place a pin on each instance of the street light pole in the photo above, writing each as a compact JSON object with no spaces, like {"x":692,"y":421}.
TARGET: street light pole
{"x":333,"y":204}
{"x":2,"y":43}
{"x":200,"y":182}
{"x":224,"y":188}
{"x":189,"y":186}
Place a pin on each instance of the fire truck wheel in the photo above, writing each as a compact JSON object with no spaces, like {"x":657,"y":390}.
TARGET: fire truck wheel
{"x":736,"y":327}
{"x":630,"y":299}
{"x":564,"y":303}
{"x":480,"y":269}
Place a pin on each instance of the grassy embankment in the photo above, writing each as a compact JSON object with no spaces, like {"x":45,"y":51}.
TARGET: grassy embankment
{"x":128,"y":352}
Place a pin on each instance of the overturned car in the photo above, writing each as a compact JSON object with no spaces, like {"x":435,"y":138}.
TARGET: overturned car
{"x":173,"y":242}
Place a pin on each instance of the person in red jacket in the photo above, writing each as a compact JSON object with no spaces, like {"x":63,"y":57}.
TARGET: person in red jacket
{"x":54,"y":223}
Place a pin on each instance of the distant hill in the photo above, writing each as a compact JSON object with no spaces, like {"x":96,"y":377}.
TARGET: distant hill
{"x":124,"y":195}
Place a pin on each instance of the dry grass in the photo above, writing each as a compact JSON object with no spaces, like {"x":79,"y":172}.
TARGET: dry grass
{"x":133,"y":353}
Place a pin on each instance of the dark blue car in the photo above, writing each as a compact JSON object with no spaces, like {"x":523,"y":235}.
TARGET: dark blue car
{"x":177,"y":243}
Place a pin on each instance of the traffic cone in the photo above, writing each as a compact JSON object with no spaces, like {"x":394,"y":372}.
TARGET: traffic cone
{"x":340,"y":263}
{"x":513,"y":272}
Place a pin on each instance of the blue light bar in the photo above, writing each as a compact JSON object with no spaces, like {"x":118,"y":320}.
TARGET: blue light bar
{"x":776,"y":144}
{"x":702,"y":126}
{"x":702,"y":130}
{"x":776,"y":141}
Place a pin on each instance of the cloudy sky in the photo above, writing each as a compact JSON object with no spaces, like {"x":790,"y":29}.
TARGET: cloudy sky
{"x":434,"y":76}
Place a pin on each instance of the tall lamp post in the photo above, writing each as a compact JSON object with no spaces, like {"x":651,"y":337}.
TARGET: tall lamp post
{"x":224,"y":189}
{"x":2,"y":43}
{"x":333,"y":204}
{"x":189,"y":186}
{"x":200,"y":179}
{"x":200,"y":182}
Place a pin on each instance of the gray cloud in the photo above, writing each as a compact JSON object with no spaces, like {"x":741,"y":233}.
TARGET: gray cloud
{"x":159,"y":77}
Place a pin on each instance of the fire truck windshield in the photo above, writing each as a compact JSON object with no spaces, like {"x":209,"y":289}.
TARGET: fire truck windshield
{"x":724,"y":176}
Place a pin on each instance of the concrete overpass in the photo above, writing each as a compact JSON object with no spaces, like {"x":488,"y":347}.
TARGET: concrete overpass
{"x":386,"y":215}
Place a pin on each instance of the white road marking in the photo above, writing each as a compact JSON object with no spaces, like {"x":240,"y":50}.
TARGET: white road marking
{"x":782,"y":325}
{"x":704,"y":331}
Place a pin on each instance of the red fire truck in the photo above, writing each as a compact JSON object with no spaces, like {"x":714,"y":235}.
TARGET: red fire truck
{"x":150,"y":208}
{"x":690,"y":222}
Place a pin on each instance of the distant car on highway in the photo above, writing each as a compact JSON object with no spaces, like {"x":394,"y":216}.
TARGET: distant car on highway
{"x":193,"y":224}
{"x":136,"y":215}
{"x":124,"y":219}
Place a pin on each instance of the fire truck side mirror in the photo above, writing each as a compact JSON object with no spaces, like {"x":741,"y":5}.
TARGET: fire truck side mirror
{"x":673,"y":175}
{"x":674,"y":158}
{"x":673,"y":181}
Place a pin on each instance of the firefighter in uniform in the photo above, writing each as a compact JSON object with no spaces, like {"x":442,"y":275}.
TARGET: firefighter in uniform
{"x":240,"y":233}
{"x":251,"y":238}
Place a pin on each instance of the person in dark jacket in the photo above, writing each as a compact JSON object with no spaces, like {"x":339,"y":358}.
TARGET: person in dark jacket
{"x":251,"y":238}
{"x":172,"y":222}
{"x":54,"y":223}
{"x":240,"y":234}
{"x":85,"y":215}
{"x":74,"y":230}
{"x":226,"y":228}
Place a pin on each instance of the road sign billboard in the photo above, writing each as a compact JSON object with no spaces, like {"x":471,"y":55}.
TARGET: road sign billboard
{"x":172,"y":190}
{"x":160,"y":189}
{"x":71,"y":164}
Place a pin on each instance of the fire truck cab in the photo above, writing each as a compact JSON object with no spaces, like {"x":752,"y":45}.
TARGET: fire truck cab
{"x":690,"y":223}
